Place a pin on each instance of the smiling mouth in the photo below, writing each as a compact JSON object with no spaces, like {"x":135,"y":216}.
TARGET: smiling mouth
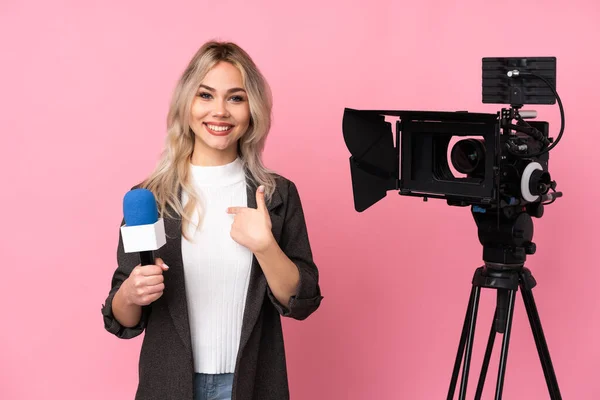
{"x":218,"y":130}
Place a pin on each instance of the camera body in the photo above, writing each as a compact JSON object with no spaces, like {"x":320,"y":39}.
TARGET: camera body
{"x":480,"y":159}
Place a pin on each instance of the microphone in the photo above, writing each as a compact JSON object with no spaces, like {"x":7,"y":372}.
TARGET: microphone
{"x":143,"y":231}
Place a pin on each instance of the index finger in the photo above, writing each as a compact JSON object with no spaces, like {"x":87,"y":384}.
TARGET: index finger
{"x":235,"y":210}
{"x":148,"y":270}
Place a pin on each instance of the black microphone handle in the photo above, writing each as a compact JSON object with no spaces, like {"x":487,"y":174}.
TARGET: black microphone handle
{"x":146,"y":257}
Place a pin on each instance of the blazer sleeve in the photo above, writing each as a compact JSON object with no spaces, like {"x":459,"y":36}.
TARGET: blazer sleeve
{"x":295,"y":244}
{"x":126,"y":262}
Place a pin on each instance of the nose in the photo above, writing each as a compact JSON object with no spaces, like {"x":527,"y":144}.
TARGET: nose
{"x":221,"y":109}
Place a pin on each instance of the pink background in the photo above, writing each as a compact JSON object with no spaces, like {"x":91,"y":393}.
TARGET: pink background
{"x":85,"y":88}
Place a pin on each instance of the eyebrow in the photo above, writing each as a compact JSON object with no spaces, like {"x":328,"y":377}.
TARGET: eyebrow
{"x":232,"y":90}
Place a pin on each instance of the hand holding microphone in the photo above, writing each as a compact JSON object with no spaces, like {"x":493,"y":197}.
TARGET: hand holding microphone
{"x":143,"y":232}
{"x":145,"y":284}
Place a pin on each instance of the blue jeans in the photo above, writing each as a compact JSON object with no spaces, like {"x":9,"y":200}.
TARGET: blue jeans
{"x":212,"y":387}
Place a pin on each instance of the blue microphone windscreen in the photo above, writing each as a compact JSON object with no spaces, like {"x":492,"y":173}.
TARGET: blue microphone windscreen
{"x":139,"y":207}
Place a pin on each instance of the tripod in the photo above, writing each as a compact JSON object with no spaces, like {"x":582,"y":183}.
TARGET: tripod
{"x":506,"y":239}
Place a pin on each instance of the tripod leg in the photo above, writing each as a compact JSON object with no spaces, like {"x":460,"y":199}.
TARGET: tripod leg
{"x":469,"y":349}
{"x":486,"y":359}
{"x":461,"y":347}
{"x":540,"y":340}
{"x":505,"y":342}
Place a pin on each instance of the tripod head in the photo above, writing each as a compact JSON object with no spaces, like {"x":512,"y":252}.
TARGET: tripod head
{"x":506,"y":237}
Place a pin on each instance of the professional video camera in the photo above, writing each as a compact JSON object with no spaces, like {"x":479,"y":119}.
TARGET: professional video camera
{"x":498,"y":165}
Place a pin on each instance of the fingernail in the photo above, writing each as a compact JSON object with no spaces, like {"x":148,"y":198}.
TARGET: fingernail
{"x":166,"y":266}
{"x":261,"y":188}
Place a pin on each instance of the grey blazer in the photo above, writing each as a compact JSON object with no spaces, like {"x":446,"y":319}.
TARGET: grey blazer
{"x":166,"y":367}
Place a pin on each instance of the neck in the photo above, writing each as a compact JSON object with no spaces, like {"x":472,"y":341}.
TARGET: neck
{"x":205,"y":158}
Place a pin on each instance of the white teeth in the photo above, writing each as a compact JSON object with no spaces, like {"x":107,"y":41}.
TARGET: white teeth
{"x":218,"y":128}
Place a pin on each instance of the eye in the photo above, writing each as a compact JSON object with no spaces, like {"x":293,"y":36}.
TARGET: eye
{"x":205,"y":95}
{"x":237,"y":99}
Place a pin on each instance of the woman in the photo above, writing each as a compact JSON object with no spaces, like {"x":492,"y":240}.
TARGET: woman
{"x":237,"y":255}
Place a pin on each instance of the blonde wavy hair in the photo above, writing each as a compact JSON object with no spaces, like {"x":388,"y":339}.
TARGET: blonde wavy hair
{"x":170,"y":179}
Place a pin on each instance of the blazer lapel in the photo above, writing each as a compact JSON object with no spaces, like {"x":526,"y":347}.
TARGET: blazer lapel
{"x":174,"y":293}
{"x":257,"y":287}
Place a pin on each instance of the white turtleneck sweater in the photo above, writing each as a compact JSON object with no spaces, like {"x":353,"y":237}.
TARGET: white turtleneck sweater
{"x":216,"y":269}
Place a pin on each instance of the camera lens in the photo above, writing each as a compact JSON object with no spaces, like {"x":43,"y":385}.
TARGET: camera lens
{"x":468,"y":156}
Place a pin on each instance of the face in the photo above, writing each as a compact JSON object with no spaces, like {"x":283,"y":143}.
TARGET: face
{"x":220,"y":115}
